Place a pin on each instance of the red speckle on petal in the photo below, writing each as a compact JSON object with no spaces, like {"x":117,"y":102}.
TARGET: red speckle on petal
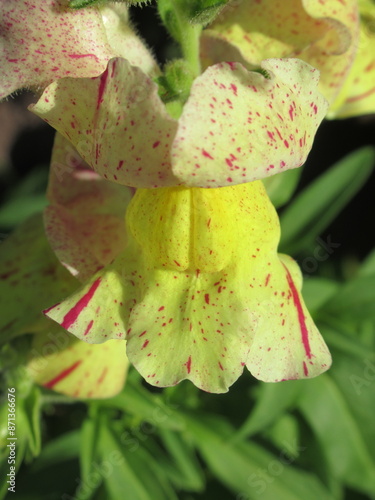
{"x":207,"y":155}
{"x":102,"y":376}
{"x":188,"y":364}
{"x":88,"y":328}
{"x":146,"y":342}
{"x":103,"y":81}
{"x":234,"y":88}
{"x":207,"y":298}
{"x":232,"y":65}
{"x":161,"y":308}
{"x":156,"y":144}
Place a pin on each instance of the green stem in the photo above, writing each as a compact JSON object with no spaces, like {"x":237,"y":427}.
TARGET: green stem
{"x":189,"y":41}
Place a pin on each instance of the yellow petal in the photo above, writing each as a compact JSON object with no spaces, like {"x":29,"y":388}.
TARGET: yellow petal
{"x":242,"y":306}
{"x":358,"y":94}
{"x":61,"y":362}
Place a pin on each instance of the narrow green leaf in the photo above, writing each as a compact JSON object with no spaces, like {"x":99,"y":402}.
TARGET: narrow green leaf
{"x":130,"y":472}
{"x":89,"y":443}
{"x":15,"y":211}
{"x":355,"y":300}
{"x":325,"y":409}
{"x":247,"y":468}
{"x":355,"y":377}
{"x":280,"y":187}
{"x":184,"y":459}
{"x":368,"y":266}
{"x":80,"y":4}
{"x":315,"y":207}
{"x":59,"y":450}
{"x":317,"y":291}
{"x":204,"y":11}
{"x":339,"y":338}
{"x":152,"y":475}
{"x":29,"y":409}
{"x":272,"y":401}
{"x":146,"y":406}
{"x":285,"y":429}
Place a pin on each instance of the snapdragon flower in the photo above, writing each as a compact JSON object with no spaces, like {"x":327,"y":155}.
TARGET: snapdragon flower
{"x":199,"y":291}
{"x":334,"y":36}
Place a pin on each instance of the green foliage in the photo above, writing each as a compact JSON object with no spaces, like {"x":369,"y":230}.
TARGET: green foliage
{"x":349,"y":459}
{"x":81,"y":4}
{"x":176,"y":81}
{"x":204,"y":11}
{"x":280,"y":187}
{"x":199,"y":12}
{"x":316,"y":206}
{"x":27,"y":198}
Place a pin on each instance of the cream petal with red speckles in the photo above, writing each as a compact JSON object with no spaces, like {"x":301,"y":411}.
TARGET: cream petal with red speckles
{"x":44,"y":41}
{"x":237,"y":126}
{"x":85,"y":221}
{"x":323,"y":33}
{"x":117,"y":123}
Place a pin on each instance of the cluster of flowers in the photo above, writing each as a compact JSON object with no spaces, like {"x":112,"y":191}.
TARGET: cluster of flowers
{"x":159,"y":245}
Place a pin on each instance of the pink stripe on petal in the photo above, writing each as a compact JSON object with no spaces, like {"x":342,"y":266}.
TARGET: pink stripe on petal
{"x":62,"y":375}
{"x":301,"y":316}
{"x":83,"y":302}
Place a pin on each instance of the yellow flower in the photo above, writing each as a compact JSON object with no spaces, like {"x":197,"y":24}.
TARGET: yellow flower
{"x":328,"y":34}
{"x":200,"y":292}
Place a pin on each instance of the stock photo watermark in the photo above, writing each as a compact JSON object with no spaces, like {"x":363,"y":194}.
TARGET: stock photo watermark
{"x":367,"y":378}
{"x":323,"y":250}
{"x":260,"y":479}
{"x":101,"y":469}
{"x":12,"y":440}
